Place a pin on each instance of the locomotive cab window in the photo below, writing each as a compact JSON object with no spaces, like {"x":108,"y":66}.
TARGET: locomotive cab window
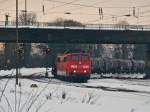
{"x":61,"y":59}
{"x":65,"y":59}
{"x":58,"y":59}
{"x":74,"y":58}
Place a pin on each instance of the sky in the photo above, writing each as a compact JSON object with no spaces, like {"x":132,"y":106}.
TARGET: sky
{"x":85,"y":11}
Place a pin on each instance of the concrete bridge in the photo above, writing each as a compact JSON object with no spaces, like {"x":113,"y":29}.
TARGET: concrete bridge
{"x":94,"y":34}
{"x":77,"y":34}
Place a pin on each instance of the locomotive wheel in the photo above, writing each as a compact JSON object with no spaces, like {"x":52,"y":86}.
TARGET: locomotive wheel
{"x":84,"y":80}
{"x":69,"y":79}
{"x":79,"y":80}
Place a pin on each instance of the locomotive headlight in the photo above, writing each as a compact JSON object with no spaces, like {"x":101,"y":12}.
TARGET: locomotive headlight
{"x":74,"y":71}
{"x":85,"y":71}
{"x":73,"y":66}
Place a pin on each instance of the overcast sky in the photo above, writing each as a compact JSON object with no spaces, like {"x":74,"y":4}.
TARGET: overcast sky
{"x":86,"y":11}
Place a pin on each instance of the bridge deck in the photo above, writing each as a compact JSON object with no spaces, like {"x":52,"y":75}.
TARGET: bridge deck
{"x":76,"y":34}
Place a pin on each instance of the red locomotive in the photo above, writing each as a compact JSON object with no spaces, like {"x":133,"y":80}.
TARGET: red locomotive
{"x":73,"y":66}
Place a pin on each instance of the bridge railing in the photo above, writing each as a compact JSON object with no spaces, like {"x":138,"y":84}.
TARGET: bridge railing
{"x":118,"y":27}
{"x":84,"y":26}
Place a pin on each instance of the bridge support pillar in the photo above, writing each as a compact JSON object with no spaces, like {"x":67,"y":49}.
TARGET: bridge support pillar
{"x":147,"y":61}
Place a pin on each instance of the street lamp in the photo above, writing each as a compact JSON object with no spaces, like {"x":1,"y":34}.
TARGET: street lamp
{"x":67,"y":13}
{"x":128,"y":15}
{"x":6,"y":19}
{"x":25,"y":12}
{"x":47,"y":51}
{"x":17,"y":42}
{"x":17,"y":46}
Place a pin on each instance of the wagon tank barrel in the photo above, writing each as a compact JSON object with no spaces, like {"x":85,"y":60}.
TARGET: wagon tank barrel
{"x":148,"y":61}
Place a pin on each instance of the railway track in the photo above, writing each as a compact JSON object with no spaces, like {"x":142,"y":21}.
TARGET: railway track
{"x":39,"y":77}
{"x":83,"y":85}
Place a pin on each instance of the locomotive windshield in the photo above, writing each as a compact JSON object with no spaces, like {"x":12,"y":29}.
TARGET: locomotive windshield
{"x":84,"y":57}
{"x":74,"y":58}
{"x":61,"y":59}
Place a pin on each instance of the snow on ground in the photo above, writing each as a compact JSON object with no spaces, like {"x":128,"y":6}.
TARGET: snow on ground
{"x":24,"y":71}
{"x":135,"y":75}
{"x":61,"y":98}
{"x":138,"y":75}
{"x":51,"y":97}
{"x":121,"y":84}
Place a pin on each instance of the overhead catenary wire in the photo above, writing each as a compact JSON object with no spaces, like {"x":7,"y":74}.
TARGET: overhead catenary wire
{"x":76,"y":4}
{"x":64,"y":4}
{"x":145,"y":21}
{"x":3,"y":1}
{"x":109,"y":18}
{"x":75,"y":9}
{"x":143,"y":6}
{"x":67,"y":3}
{"x":83,"y":5}
{"x":144,"y":12}
{"x":10,"y":5}
{"x":12,"y":11}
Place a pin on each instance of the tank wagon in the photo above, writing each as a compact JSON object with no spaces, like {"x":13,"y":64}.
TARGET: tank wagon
{"x":117,"y":66}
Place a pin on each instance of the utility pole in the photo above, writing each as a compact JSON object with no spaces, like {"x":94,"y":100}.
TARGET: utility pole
{"x":25,"y":12}
{"x":47,"y":51}
{"x":138,"y":16}
{"x":25,"y":48}
{"x":17,"y":42}
{"x":43,"y":8}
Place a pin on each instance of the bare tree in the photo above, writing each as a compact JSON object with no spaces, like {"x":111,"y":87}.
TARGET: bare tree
{"x":59,"y":22}
{"x":66,"y":22}
{"x":123,"y":51}
{"x":27,"y":19}
{"x":123,"y":22}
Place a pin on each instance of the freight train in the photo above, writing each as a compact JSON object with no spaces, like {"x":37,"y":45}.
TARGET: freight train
{"x":73,"y":66}
{"x":117,"y":66}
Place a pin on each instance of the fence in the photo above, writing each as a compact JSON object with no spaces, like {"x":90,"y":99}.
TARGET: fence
{"x":84,"y":26}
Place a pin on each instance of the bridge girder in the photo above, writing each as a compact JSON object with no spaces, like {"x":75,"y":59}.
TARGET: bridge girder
{"x":45,"y":35}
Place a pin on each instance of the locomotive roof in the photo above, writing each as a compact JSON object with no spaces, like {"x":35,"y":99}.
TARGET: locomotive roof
{"x":66,"y":54}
